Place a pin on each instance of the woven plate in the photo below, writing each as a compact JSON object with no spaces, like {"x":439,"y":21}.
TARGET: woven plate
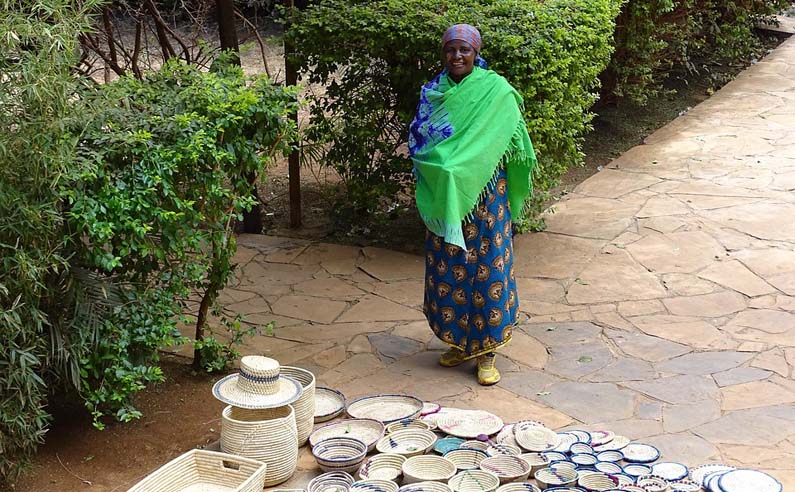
{"x":547,"y":477}
{"x":368,"y":431}
{"x":584,"y":459}
{"x":669,"y":470}
{"x":597,"y":481}
{"x":426,"y":487}
{"x":637,"y":452}
{"x":581,"y":447}
{"x":611,"y":456}
{"x":637,"y":470}
{"x":505,"y":436}
{"x":601,"y":437}
{"x":329,"y":403}
{"x":617,"y":442}
{"x":374,"y":485}
{"x":429,"y":408}
{"x":446,"y":444}
{"x":386,"y":466}
{"x":427,"y":469}
{"x":685,"y":486}
{"x":409,"y":424}
{"x":474,"y":481}
{"x":506,"y":449}
{"x":607,"y":467}
{"x":652,"y":483}
{"x":748,"y":481}
{"x":534,"y":438}
{"x":466,"y":459}
{"x":700,"y":473}
{"x":566,"y":440}
{"x":385,"y":408}
{"x":409,"y":442}
{"x":469,"y":423}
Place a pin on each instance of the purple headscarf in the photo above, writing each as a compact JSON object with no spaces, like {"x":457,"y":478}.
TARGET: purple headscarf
{"x":463,"y":32}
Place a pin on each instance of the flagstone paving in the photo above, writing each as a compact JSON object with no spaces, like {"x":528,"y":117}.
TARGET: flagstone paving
{"x":659,"y":302}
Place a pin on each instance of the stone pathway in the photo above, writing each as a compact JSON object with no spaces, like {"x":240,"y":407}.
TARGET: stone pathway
{"x":659,"y":303}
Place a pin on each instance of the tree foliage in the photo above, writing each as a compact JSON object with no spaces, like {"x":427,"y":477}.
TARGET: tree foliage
{"x":373,"y":56}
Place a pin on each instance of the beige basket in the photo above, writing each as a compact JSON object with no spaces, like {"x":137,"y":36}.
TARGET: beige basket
{"x":385,"y":466}
{"x":474,"y":481}
{"x":428,"y":469}
{"x":305,"y":405}
{"x":267,"y":435}
{"x":374,"y":485}
{"x":207,"y":471}
{"x":508,"y":468}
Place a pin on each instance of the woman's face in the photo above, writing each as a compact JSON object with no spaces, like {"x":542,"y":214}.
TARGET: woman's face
{"x":459,"y":59}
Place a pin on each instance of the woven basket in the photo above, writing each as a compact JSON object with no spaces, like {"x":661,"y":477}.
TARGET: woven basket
{"x":339,"y":454}
{"x":386,"y":466}
{"x":268,"y":435}
{"x":466,"y":459}
{"x":580,"y":448}
{"x":368,"y":431}
{"x":508,"y":468}
{"x":597,"y":481}
{"x":518,"y":487}
{"x":409,"y":442}
{"x":536,"y":461}
{"x":637,"y":470}
{"x":607,"y":467}
{"x":426,"y":487}
{"x":548,"y":477}
{"x":653,"y":483}
{"x":374,"y":485}
{"x":535,"y":438}
{"x":207,"y":471}
{"x":330,"y":482}
{"x":503,"y":449}
{"x":473,"y":444}
{"x":474,"y":481}
{"x":428,"y":469}
{"x":409,"y":424}
{"x":584,"y":459}
{"x":305,"y":405}
{"x":329,"y":403}
{"x":385,"y":408}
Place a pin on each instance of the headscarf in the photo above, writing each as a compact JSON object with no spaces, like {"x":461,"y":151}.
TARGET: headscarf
{"x":463,"y":32}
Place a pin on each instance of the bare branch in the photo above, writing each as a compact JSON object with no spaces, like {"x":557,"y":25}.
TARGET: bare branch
{"x":259,"y":41}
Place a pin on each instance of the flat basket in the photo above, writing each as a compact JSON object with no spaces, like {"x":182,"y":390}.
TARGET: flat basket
{"x":368,"y":431}
{"x":206,"y":471}
{"x":466,"y":458}
{"x":267,"y":435}
{"x":409,"y":442}
{"x":384,"y":466}
{"x":474,"y":481}
{"x":428,"y":469}
{"x":508,"y":468}
{"x":304,"y":406}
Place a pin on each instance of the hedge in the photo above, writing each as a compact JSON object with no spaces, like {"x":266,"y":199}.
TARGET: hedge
{"x":373,"y":56}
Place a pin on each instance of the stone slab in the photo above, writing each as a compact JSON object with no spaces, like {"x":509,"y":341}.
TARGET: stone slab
{"x":645,"y":347}
{"x":677,"y":252}
{"x":704,"y":363}
{"x":595,"y":218}
{"x":308,"y":308}
{"x":740,"y":375}
{"x":736,"y":276}
{"x":711,"y":305}
{"x":611,"y":277}
{"x":677,"y":389}
{"x":374,"y":309}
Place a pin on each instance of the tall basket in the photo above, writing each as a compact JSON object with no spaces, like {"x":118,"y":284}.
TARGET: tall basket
{"x":268,"y":435}
{"x":305,"y":406}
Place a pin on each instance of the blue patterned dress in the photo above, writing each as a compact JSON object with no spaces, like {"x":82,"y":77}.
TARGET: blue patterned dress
{"x":470,"y":296}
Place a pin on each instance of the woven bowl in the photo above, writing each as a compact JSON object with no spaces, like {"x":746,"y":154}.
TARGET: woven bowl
{"x":428,"y":469}
{"x":653,"y":483}
{"x":474,"y":481}
{"x":426,"y":487}
{"x":597,"y":481}
{"x":409,"y":442}
{"x":329,"y":403}
{"x":409,"y":424}
{"x":536,"y":439}
{"x":580,"y":448}
{"x":548,"y":477}
{"x":466,"y":459}
{"x":446,"y":444}
{"x":503,"y":449}
{"x":611,"y":456}
{"x":508,"y":468}
{"x":583,"y":459}
{"x":374,"y":485}
{"x":368,"y":431}
{"x":330,"y":482}
{"x":304,"y":406}
{"x":637,"y":470}
{"x":537,"y":461}
{"x":339,"y":454}
{"x":473,"y":444}
{"x":386,"y":466}
{"x":518,"y":487}
{"x":607,"y":467}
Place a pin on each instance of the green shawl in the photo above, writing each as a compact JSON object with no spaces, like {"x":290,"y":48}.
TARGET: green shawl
{"x":461,"y":136}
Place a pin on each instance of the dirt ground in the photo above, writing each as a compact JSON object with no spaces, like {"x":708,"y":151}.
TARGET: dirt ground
{"x":182,"y":414}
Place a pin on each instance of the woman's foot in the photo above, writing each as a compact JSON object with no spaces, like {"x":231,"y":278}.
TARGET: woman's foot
{"x":453,"y":357}
{"x":487,"y":373}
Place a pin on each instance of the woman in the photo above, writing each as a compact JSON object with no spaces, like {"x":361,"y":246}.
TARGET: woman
{"x":473,"y":161}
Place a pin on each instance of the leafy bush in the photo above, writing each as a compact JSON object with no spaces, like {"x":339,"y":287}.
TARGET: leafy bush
{"x":654,"y":37}
{"x":160,"y":180}
{"x":38,"y":47}
{"x":373,"y":56}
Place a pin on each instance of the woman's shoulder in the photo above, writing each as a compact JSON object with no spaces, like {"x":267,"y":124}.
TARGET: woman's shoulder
{"x":495,"y":78}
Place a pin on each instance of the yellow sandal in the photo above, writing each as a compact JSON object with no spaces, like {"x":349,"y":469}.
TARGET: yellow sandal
{"x":487,"y":372}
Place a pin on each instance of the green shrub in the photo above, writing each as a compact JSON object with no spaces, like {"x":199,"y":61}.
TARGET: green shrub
{"x":656,"y":37}
{"x":373,"y":56}
{"x":160,"y":181}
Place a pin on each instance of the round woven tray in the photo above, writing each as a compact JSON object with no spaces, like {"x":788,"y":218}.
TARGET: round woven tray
{"x":566,"y":440}
{"x":385,"y":408}
{"x":368,"y":431}
{"x":611,"y":456}
{"x":607,"y":467}
{"x":446,"y":444}
{"x":481,"y":445}
{"x":601,"y":437}
{"x":428,"y":468}
{"x":474,"y":481}
{"x":616,"y":443}
{"x":548,"y":477}
{"x":597,"y":481}
{"x":505,"y":436}
{"x":584,"y":459}
{"x":330,"y":482}
{"x":329,"y":403}
{"x":581,"y":447}
{"x":374,"y":485}
{"x":267,"y":435}
{"x":409,"y":442}
{"x":469,"y":423}
{"x":429,"y":408}
{"x":637,"y":452}
{"x":536,"y":461}
{"x":339,"y":454}
{"x":386,"y":466}
{"x":507,"y":468}
{"x":466,"y":459}
{"x":304,"y":406}
{"x":506,"y":449}
{"x":534,"y":438}
{"x":519,"y":487}
{"x":652,"y":483}
{"x":637,"y":470}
